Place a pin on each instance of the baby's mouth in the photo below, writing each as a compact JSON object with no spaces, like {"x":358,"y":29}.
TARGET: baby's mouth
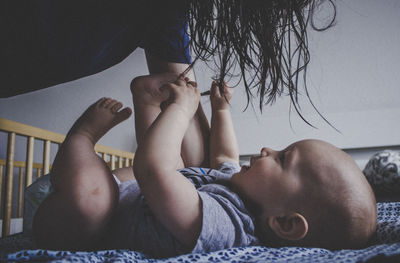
{"x":254,"y":158}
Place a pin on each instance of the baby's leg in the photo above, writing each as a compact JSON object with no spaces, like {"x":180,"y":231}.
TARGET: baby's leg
{"x":77,"y":213}
{"x":195,"y":144}
{"x":147,"y":99}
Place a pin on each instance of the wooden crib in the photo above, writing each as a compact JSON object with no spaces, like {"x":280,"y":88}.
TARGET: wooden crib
{"x":25,"y":170}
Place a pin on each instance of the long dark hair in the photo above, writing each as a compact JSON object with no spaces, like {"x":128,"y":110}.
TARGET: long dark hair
{"x":266,"y":39}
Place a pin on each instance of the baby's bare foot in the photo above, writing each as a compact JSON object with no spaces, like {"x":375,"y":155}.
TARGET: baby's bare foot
{"x":147,"y":89}
{"x":99,"y":118}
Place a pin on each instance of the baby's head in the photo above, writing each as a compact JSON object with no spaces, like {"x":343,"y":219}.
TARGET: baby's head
{"x":309,"y":194}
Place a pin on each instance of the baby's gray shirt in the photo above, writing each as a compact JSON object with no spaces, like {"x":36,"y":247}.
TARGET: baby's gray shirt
{"x":225,"y":220}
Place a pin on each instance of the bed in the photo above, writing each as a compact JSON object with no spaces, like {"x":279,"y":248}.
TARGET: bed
{"x":19,"y":173}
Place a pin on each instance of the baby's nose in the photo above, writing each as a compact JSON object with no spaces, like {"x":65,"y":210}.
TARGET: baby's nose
{"x":265,"y":151}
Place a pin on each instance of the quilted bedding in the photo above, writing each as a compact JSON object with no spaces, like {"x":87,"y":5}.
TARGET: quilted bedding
{"x":17,"y":248}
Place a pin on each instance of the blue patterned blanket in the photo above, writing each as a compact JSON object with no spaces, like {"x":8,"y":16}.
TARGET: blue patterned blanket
{"x":385,"y":248}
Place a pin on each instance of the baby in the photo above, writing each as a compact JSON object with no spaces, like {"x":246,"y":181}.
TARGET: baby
{"x":309,"y":194}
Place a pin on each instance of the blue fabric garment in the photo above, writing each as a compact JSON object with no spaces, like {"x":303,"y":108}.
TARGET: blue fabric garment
{"x":49,"y":42}
{"x":226,"y":222}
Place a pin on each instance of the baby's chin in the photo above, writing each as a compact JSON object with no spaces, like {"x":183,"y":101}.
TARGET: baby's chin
{"x":236,"y":179}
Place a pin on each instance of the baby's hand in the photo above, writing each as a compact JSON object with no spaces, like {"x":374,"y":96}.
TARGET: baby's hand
{"x":218,"y":100}
{"x":184,"y":94}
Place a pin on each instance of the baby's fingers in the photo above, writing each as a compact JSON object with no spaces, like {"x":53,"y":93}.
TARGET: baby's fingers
{"x":191,"y":82}
{"x":215,"y":89}
{"x":225,"y":87}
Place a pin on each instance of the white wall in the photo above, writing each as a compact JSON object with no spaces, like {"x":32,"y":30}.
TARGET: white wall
{"x":353,"y":80}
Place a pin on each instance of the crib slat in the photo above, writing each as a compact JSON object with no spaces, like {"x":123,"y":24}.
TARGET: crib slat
{"x":39,"y":172}
{"x":120,"y":164}
{"x":104,"y":156}
{"x":46,"y":157}
{"x":112,"y":162}
{"x":9,"y":183}
{"x":29,"y":161}
{"x":20,"y":192}
{"x":126,"y":162}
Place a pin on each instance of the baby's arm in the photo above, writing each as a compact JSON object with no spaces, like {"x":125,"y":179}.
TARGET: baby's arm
{"x":171,"y":197}
{"x":223,"y":142}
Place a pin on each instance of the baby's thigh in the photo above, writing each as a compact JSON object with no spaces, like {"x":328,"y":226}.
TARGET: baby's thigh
{"x":74,"y":221}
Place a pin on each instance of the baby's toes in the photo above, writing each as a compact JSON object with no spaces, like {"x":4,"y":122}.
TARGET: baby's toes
{"x":116,"y":107}
{"x":111,"y":104}
{"x":123,"y":114}
{"x":100,"y":101}
{"x":105,"y":102}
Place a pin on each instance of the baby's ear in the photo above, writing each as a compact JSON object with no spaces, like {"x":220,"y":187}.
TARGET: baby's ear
{"x":290,"y":227}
